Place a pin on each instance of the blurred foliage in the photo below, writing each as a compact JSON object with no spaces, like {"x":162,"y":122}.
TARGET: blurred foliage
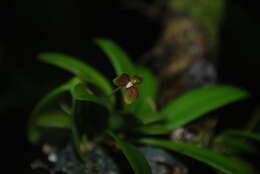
{"x":208,"y":13}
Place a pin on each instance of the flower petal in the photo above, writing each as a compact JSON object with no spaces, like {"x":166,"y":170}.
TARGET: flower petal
{"x":130,"y":95}
{"x":121,"y":80}
{"x":136,"y":80}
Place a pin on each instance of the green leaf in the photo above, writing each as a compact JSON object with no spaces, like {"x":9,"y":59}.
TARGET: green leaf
{"x":117,"y":56}
{"x":152,"y":129}
{"x":145,"y":103}
{"x":236,"y":141}
{"x":51,"y":97}
{"x":54,"y":119}
{"x":78,"y":68}
{"x":151,"y":117}
{"x":225,"y":164}
{"x":242,"y":134}
{"x":82,"y":93}
{"x":198,"y":102}
{"x":234,"y":145}
{"x":51,"y":119}
{"x":135,"y":158}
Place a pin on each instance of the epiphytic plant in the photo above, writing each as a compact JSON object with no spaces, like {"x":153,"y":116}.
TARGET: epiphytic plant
{"x":135,"y":118}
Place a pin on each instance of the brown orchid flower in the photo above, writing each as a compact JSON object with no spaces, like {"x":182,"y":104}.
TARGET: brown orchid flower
{"x":130,"y":83}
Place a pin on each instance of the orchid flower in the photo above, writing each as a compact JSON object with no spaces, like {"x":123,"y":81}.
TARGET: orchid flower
{"x":130,"y":83}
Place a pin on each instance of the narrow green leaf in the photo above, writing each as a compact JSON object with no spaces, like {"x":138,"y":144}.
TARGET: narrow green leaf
{"x":151,"y":117}
{"x":236,"y":141}
{"x":51,"y":97}
{"x":51,"y":119}
{"x":117,"y":56}
{"x":54,"y":119}
{"x":135,"y":158}
{"x":234,"y":145}
{"x":198,"y":102}
{"x":78,"y":68}
{"x":225,"y":164}
{"x":82,"y":93}
{"x":238,"y":133}
{"x":152,"y":129}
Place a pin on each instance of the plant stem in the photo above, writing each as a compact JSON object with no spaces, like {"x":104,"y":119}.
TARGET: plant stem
{"x":75,"y":133}
{"x":253,"y":121}
{"x":114,"y":91}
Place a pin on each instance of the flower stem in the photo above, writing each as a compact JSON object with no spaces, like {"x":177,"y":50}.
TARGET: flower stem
{"x":114,"y":91}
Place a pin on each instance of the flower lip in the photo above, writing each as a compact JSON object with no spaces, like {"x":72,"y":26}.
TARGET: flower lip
{"x":130,"y":95}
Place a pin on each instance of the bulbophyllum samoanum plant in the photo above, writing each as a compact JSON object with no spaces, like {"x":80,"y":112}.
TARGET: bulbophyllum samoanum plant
{"x":134,"y":116}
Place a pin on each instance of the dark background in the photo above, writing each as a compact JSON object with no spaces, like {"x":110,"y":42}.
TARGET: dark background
{"x":30,"y":27}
